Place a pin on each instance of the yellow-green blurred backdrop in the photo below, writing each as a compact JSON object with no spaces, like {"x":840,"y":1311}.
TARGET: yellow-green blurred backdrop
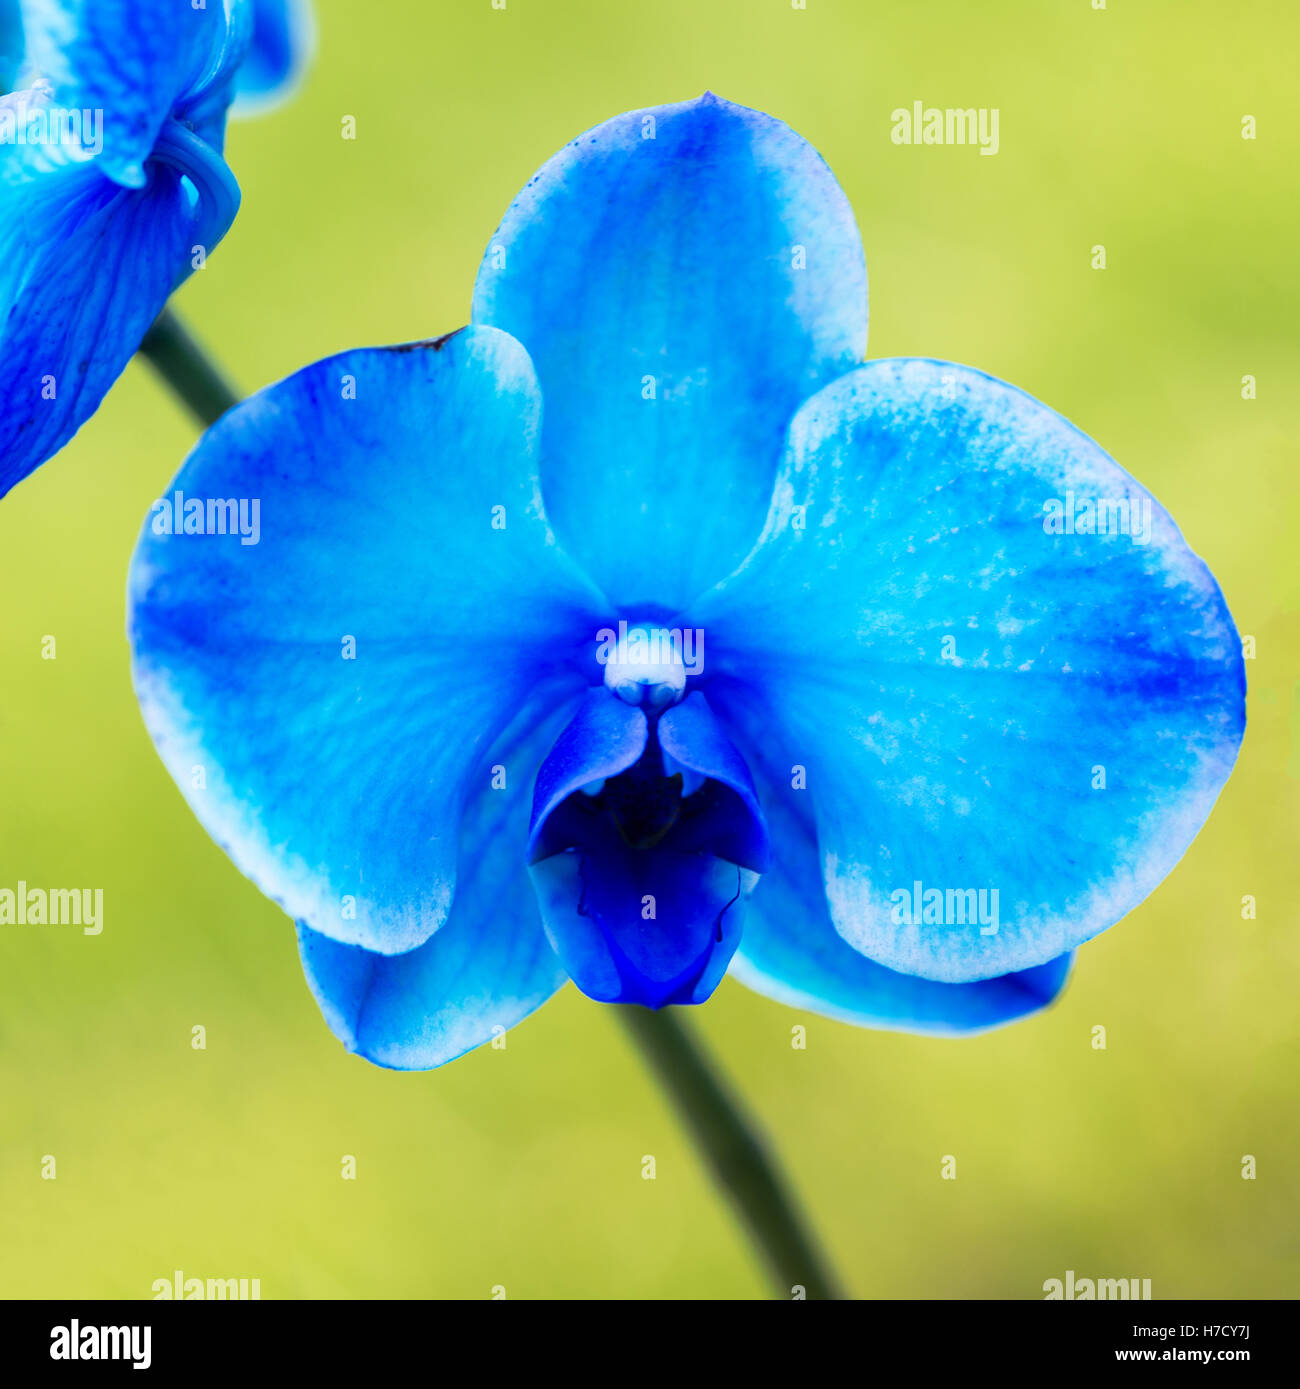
{"x":522,"y":1168}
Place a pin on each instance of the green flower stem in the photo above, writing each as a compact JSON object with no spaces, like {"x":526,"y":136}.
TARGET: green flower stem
{"x":185,"y":367}
{"x":724,"y":1133}
{"x":734,"y":1150}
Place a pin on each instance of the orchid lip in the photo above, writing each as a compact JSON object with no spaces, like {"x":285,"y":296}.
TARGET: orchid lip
{"x":646,"y":836}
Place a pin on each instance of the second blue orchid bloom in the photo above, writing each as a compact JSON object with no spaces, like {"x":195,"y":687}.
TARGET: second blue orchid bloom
{"x":640,"y":631}
{"x":113,"y":185}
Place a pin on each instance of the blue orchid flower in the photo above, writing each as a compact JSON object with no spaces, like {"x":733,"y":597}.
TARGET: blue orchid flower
{"x":113,"y":188}
{"x":640,"y":632}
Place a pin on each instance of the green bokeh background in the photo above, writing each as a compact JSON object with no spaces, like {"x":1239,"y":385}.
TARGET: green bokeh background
{"x":522,"y":1167}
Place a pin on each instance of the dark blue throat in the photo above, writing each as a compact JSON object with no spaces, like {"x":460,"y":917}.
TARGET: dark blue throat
{"x":646,"y":835}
